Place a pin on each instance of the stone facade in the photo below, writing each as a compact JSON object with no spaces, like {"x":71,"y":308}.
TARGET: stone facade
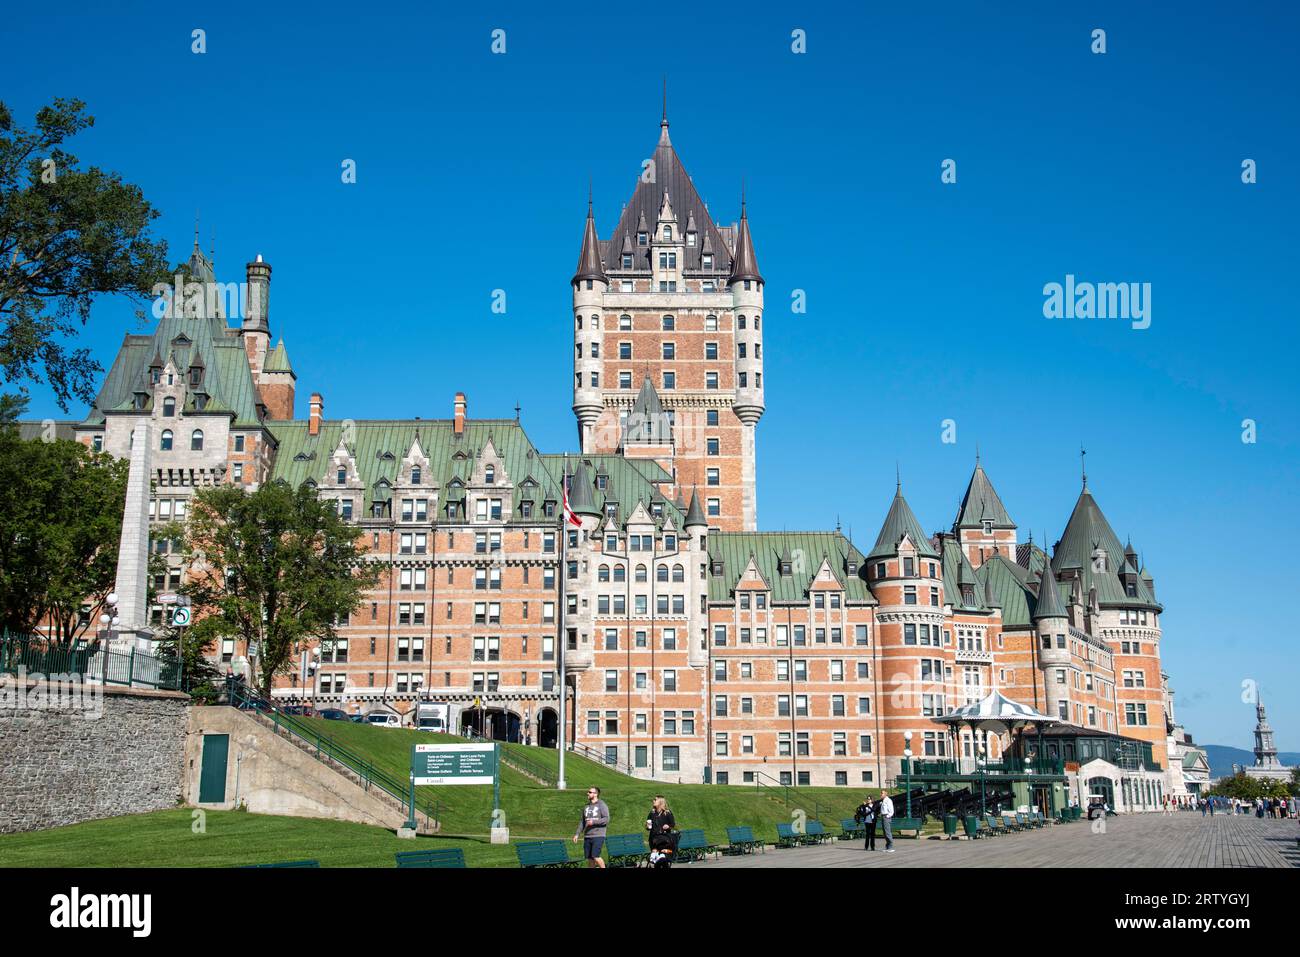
{"x":58,"y":765}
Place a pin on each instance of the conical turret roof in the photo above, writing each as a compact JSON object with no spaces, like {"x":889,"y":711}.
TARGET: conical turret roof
{"x":1049,"y":604}
{"x":589,"y":265}
{"x":899,"y":522}
{"x":695,"y":514}
{"x":745,"y":264}
{"x":582,"y":497}
{"x":981,"y":503}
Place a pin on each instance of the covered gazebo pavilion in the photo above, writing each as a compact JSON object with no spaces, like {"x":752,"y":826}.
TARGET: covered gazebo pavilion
{"x":998,"y":714}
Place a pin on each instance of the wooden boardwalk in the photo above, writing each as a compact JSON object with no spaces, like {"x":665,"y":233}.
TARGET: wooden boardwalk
{"x":1183,"y":840}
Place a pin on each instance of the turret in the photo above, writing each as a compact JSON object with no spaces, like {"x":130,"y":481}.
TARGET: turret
{"x":589,"y":286}
{"x":255,"y":329}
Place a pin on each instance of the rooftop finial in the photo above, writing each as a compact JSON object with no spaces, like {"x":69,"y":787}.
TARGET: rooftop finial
{"x":589,"y":207}
{"x":977,"y":455}
{"x":898,"y":478}
{"x":664,"y":121}
{"x":1083,"y":465}
{"x":196,"y":230}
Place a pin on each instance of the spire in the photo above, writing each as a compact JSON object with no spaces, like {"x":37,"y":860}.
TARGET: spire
{"x":901,"y":521}
{"x":745,"y":263}
{"x":589,"y":265}
{"x":981,"y":502}
{"x":1083,"y":465}
{"x":663,"y":123}
{"x":1049,"y":597}
{"x":647,"y":421}
{"x":582,"y":500}
{"x":695,"y":514}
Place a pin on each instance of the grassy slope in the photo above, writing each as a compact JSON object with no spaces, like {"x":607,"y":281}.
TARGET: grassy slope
{"x":165,"y":838}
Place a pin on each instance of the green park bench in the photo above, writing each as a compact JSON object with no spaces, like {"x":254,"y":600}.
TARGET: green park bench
{"x":1025,"y":821}
{"x":997,"y":823}
{"x":693,"y":846}
{"x":626,"y":850}
{"x":817,"y":834}
{"x":913,"y":824}
{"x":741,"y":840}
{"x":544,"y":854}
{"x":444,"y":857}
{"x":787,"y":836}
{"x":309,"y":863}
{"x":852,"y":830}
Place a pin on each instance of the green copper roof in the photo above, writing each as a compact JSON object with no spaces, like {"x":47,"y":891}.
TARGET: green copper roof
{"x":957,"y":570}
{"x":627,"y":482}
{"x":582,"y":498}
{"x":1086,"y":531}
{"x":1005,"y":579}
{"x":1048,"y":603}
{"x":981,"y":503}
{"x":899,"y":522}
{"x":278,"y":360}
{"x":379,"y":446}
{"x":806,"y":551}
{"x":695,"y":514}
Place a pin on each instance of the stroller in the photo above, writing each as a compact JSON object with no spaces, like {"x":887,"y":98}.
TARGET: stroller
{"x":663,"y":849}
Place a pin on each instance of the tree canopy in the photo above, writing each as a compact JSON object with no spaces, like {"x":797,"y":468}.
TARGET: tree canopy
{"x":67,"y":235}
{"x":275,"y":567}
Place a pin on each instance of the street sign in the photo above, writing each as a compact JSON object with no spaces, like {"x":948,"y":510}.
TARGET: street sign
{"x":168,"y":598}
{"x":453,"y":763}
{"x":181,"y":617}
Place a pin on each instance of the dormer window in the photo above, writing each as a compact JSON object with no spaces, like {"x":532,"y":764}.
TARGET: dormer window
{"x":853,"y":568}
{"x":786,"y":569}
{"x":716,"y":568}
{"x":416,"y":475}
{"x":706,"y":261}
{"x":341,"y":476}
{"x":668,"y":234}
{"x":690,"y":238}
{"x":196,"y":376}
{"x":169,"y":406}
{"x":988,"y":526}
{"x":490,"y":474}
{"x":642,"y":239}
{"x":627,"y":260}
{"x":602,"y":481}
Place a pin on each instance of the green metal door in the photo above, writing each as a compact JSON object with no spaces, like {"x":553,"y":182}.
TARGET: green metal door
{"x":212,"y":772}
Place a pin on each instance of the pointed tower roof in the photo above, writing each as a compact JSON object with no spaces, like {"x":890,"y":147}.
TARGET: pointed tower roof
{"x":647,"y":422}
{"x":695,"y":514}
{"x":589,"y":264}
{"x":1049,"y":604}
{"x":981,"y":503}
{"x":647,"y":200}
{"x":582,"y":496}
{"x":901,"y":521}
{"x":745,"y":263}
{"x":278,"y":360}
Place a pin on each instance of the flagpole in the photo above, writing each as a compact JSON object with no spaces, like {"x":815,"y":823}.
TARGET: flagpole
{"x":560,"y":783}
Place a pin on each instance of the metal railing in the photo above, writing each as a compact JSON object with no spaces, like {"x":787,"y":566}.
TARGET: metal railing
{"x":327,"y":749}
{"x":593,"y":755}
{"x":91,"y":661}
{"x":790,"y":795}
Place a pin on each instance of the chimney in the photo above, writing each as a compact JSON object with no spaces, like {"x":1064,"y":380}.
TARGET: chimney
{"x":313,"y":420}
{"x":459,"y":418}
{"x":257,"y":299}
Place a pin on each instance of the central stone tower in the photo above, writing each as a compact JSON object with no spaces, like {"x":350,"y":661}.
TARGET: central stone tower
{"x":668,"y":342}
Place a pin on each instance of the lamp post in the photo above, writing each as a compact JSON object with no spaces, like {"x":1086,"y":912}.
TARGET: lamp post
{"x":983,"y":808}
{"x":907,"y":768}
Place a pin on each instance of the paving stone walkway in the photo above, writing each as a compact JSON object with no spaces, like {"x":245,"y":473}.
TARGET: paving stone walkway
{"x":1183,"y":840}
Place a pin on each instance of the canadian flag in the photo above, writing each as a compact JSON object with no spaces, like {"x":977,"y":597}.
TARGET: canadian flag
{"x":569,"y":514}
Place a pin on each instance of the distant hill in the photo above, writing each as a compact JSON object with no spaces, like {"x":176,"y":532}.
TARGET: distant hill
{"x":1222,"y":758}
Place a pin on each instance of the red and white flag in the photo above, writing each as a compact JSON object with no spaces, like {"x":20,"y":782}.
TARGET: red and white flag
{"x":569,"y":514}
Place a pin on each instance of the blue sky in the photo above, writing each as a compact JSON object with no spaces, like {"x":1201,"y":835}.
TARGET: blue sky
{"x":924,"y":299}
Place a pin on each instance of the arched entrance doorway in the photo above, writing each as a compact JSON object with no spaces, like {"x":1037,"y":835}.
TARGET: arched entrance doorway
{"x":1104,"y":788}
{"x":494,"y":723}
{"x":548,"y":728}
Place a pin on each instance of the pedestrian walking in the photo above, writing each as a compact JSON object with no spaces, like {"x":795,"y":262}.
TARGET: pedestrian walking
{"x":866,"y":816}
{"x":663,"y":833}
{"x":887,"y":820}
{"x":591,"y":829}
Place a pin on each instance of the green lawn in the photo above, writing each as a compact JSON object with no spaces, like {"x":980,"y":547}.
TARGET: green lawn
{"x":232,"y":838}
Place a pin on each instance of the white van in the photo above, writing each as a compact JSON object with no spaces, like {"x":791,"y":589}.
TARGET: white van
{"x":385,"y":719}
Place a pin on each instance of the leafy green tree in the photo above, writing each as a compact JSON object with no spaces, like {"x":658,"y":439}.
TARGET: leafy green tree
{"x":66,"y":235}
{"x":62,"y":508}
{"x":276,"y":568}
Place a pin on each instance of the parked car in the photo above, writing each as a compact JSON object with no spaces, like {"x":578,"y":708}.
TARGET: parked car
{"x":384,"y":719}
{"x":299,"y":710}
{"x":357,"y":718}
{"x":332,"y":714}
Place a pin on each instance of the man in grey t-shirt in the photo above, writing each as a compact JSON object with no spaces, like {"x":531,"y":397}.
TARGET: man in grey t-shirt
{"x":595,"y":818}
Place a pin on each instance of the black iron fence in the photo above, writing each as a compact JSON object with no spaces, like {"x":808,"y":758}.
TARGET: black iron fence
{"x":92,"y":661}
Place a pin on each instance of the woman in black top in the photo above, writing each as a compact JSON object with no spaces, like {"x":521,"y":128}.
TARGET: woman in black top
{"x":661,"y":824}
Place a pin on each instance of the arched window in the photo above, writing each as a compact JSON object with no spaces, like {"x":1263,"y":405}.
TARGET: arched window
{"x":169,"y":406}
{"x":196,"y":440}
{"x":640,"y":573}
{"x":602,"y":573}
{"x":341,"y":477}
{"x":661,"y":573}
{"x":166,"y":443}
{"x":490,"y":474}
{"x":415,"y":475}
{"x":620,"y":573}
{"x":679,"y":573}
